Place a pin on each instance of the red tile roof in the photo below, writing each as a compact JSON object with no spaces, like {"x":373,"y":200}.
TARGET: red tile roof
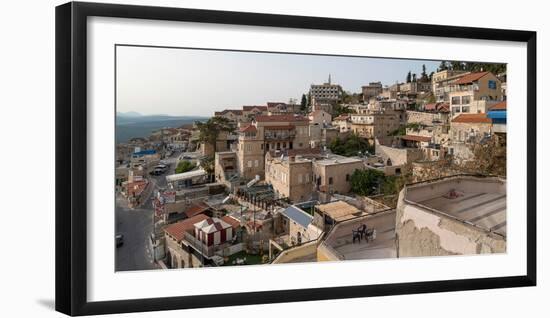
{"x":231,"y":221}
{"x":274,"y":104}
{"x":472,"y":77}
{"x":195,"y":209}
{"x":445,"y":108}
{"x":282,"y":118}
{"x":248,"y":128}
{"x":472,"y":118}
{"x":499,"y":106}
{"x":342,"y":117}
{"x":416,"y":138}
{"x":249,"y":108}
{"x":225,"y":111}
{"x":178,"y":229}
{"x":285,"y":127}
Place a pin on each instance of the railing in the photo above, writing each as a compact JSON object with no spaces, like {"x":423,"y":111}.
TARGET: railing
{"x":278,"y":136}
{"x":199,"y":246}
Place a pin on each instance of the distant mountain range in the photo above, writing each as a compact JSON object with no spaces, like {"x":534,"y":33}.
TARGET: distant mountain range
{"x":133,"y":125}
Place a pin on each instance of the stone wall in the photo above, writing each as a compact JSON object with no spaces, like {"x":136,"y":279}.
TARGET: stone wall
{"x":424,"y":118}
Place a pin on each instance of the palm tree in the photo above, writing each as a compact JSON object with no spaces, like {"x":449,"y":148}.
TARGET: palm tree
{"x":210,"y":130}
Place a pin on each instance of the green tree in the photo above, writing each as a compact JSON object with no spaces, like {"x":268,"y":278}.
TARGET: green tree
{"x":424,"y":75}
{"x":184,"y":166}
{"x":303,"y":103}
{"x":443,"y":66}
{"x":414,"y":78}
{"x":207,"y":163}
{"x":367,"y":182}
{"x":409,"y":78}
{"x":210,"y":130}
{"x":352,"y":145}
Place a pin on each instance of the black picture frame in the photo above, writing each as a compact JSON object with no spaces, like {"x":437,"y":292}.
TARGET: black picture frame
{"x":71,"y":157}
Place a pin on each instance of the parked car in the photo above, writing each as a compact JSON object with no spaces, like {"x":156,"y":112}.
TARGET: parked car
{"x":119,"y":240}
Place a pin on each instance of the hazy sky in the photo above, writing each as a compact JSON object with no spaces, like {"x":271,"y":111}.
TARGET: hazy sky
{"x":198,"y":82}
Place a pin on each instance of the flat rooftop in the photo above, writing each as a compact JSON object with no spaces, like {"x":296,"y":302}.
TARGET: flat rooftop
{"x":477,"y":201}
{"x":336,"y":159}
{"x":340,"y":239}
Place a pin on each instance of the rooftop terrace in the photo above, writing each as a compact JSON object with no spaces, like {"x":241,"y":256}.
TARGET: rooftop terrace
{"x":480,"y":202}
{"x":339,"y":241}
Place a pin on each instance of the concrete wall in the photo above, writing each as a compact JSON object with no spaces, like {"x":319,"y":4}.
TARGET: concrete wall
{"x":293,"y":254}
{"x":179,"y":257}
{"x":421,"y":232}
{"x":398,"y":156}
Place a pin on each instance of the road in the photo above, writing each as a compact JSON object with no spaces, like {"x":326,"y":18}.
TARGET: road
{"x":137,"y":225}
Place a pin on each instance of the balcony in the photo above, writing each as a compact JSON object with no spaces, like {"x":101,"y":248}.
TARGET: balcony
{"x":207,"y":251}
{"x":279,"y":136}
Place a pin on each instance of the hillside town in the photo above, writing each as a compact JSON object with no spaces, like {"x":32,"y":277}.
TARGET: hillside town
{"x":416,"y":168}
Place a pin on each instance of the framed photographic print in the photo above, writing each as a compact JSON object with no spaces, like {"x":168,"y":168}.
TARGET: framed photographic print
{"x":210,"y":158}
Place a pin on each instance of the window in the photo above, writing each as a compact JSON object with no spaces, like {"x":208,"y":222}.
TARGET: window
{"x":347,"y":177}
{"x":330,"y":180}
{"x":465,"y":109}
{"x":249,"y":163}
{"x":465,"y":99}
{"x":455,"y":100}
{"x":492,"y":84}
{"x":300,"y":178}
{"x":256,"y":163}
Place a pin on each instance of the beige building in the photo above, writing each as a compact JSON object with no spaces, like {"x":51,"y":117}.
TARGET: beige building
{"x":297,"y":175}
{"x":250,"y":152}
{"x":372,"y":90}
{"x":457,"y":215}
{"x":265,"y":133}
{"x":374,"y":124}
{"x":326,"y":93}
{"x":291,"y":173}
{"x":343,"y":122}
{"x":474,"y":92}
{"x":233,"y":115}
{"x":332,"y":174}
{"x":442,"y":82}
{"x":397,"y":156}
{"x":249,"y":112}
{"x":320,"y":117}
{"x":467,"y":130}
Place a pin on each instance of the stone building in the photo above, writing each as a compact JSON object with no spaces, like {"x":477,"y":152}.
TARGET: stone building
{"x":326,"y":93}
{"x":233,"y":115}
{"x":265,"y":133}
{"x":442,"y":82}
{"x":466,"y":131}
{"x":343,"y":122}
{"x":320,"y":117}
{"x":298,"y":175}
{"x":474,"y":92}
{"x":371,"y":91}
{"x":333,"y":173}
{"x":374,"y":124}
{"x":291,"y":173}
{"x":457,"y":215}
